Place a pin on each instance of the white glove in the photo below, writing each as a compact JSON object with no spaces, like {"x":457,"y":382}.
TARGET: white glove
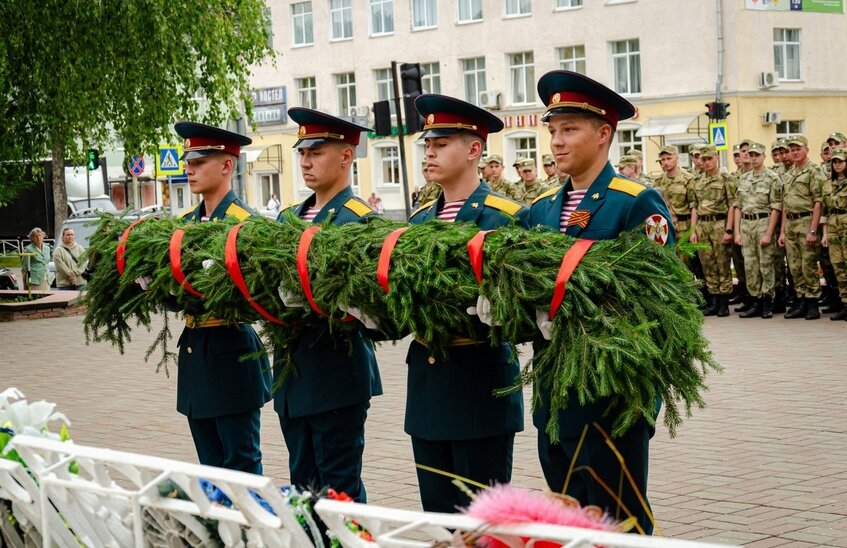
{"x":290,"y":300}
{"x":144,"y":282}
{"x":544,"y":323}
{"x":207,"y":263}
{"x":366,"y":320}
{"x":483,"y":310}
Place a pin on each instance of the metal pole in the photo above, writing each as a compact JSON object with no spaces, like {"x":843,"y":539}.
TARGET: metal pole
{"x":88,"y":184}
{"x":407,"y":199}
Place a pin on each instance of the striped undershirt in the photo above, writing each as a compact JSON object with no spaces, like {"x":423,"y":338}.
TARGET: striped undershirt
{"x":574,"y":198}
{"x":450,"y":210}
{"x":310,"y":214}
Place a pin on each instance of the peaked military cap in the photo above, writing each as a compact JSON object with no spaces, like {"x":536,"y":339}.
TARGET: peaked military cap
{"x":628,"y":161}
{"x":634,"y":152}
{"x":317,"y":128}
{"x":736,"y":149}
{"x":445,"y":116}
{"x":567,"y":92}
{"x":495,"y":158}
{"x":798,"y":140}
{"x":839,"y":154}
{"x":202,"y":139}
{"x":527,"y":163}
{"x":547,"y":159}
{"x":755,"y":147}
{"x":837,"y":136}
{"x":695,"y":149}
{"x":824,"y":146}
{"x":778,"y":144}
{"x":669,"y":149}
{"x":708,"y":151}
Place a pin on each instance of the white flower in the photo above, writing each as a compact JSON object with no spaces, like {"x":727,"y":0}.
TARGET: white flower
{"x":22,"y":417}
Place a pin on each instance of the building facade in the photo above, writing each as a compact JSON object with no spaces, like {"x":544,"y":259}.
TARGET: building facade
{"x":777,"y":67}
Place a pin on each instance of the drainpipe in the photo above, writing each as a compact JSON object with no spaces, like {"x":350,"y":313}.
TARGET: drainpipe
{"x":719,"y":79}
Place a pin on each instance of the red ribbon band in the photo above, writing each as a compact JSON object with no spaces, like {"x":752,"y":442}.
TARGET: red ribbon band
{"x":569,"y":264}
{"x":303,"y":270}
{"x":384,"y":263}
{"x":475,"y":253}
{"x":175,"y":254}
{"x":232,"y":266}
{"x":120,"y":257}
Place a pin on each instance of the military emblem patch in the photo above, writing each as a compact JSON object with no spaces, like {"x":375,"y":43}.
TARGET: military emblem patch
{"x":187,"y":143}
{"x":430,"y":119}
{"x":302,"y":130}
{"x":657,"y":229}
{"x":555,"y":98}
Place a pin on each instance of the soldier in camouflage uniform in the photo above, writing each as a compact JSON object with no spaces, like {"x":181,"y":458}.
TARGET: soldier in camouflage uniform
{"x":627,"y":167}
{"x":639,"y":165}
{"x":801,"y":212}
{"x":549,"y":164}
{"x":758,"y":205}
{"x":430,"y":191}
{"x":834,"y":220}
{"x":781,"y":288}
{"x":696,"y":164}
{"x":830,"y":298}
{"x":826,"y":156}
{"x":530,"y":187}
{"x":711,"y":199}
{"x":495,"y":177}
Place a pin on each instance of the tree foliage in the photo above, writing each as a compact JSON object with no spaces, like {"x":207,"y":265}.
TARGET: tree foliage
{"x":76,"y":74}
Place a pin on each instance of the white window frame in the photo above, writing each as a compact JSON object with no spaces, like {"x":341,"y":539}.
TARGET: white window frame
{"x":478,"y":76}
{"x":788,"y":128}
{"x":309,"y":93}
{"x":385,"y":17}
{"x":306,"y":22}
{"x":511,"y":150}
{"x":301,"y":191}
{"x":631,"y":56}
{"x":782,"y":45}
{"x":273,"y":187}
{"x":465,"y":11}
{"x":354,"y":177}
{"x":620,"y":146}
{"x":518,"y":8}
{"x":380,"y":159}
{"x":384,"y":88}
{"x":572,"y":58}
{"x":341,"y":12}
{"x":427,"y":8}
{"x":563,"y":5}
{"x":431,"y":81}
{"x":345,"y":87}
{"x":521,"y":75}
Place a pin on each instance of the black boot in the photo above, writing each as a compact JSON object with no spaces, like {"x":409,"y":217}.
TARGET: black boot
{"x":707,"y":300}
{"x":723,"y":306}
{"x":798,"y":309}
{"x":833,"y":306}
{"x":754,"y":310}
{"x":812,"y":312}
{"x":766,"y":307}
{"x":712,"y":309}
{"x":749,"y":301}
{"x":737,"y":295}
{"x":779,"y":301}
{"x":841,"y":315}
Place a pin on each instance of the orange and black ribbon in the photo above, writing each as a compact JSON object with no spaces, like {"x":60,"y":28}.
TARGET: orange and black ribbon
{"x":579,"y":217}
{"x":120,"y":255}
{"x":175,"y":254}
{"x":303,"y":270}
{"x":384,"y":263}
{"x":475,"y":253}
{"x":232,"y":266}
{"x":569,"y":263}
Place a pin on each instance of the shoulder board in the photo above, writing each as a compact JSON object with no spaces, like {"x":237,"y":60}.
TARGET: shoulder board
{"x":547,"y":194}
{"x":629,"y":187}
{"x":358,"y":207}
{"x":188,"y":211}
{"x":426,"y":205}
{"x":235,"y":210}
{"x":503,"y":204}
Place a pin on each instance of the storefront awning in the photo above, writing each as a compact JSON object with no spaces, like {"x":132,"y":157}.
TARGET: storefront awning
{"x":252,"y":154}
{"x":666,"y":125}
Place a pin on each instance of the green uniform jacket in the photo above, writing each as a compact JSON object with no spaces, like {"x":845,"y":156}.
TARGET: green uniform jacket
{"x":615,"y":205}
{"x":213,"y":381}
{"x":452,"y":399}
{"x":331,"y":371}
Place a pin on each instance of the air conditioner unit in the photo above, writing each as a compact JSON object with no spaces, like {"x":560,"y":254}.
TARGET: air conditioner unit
{"x":362,"y":111}
{"x":768,"y":80}
{"x":489,"y":99}
{"x":769,"y":118}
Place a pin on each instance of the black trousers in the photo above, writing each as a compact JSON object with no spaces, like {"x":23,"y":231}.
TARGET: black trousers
{"x":231,"y":441}
{"x":484,"y":460}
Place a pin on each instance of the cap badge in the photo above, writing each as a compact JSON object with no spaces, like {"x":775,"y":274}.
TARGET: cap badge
{"x":430,"y":119}
{"x":187,"y":143}
{"x":302,"y":130}
{"x":556,"y":97}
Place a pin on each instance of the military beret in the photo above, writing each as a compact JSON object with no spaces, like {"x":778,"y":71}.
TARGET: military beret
{"x":202,"y":140}
{"x":548,"y":159}
{"x":798,"y":140}
{"x":708,"y":151}
{"x":567,"y":92}
{"x":668,"y":149}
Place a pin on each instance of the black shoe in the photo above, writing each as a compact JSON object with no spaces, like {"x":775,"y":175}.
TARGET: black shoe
{"x":748,"y":304}
{"x":833,"y":307}
{"x":841,"y":315}
{"x":797,"y":310}
{"x":812,"y":312}
{"x":754,"y":310}
{"x":737,"y":297}
{"x":712,"y":309}
{"x":767,"y":313}
{"x":779,"y":302}
{"x":708,"y":299}
{"x":723,"y":306}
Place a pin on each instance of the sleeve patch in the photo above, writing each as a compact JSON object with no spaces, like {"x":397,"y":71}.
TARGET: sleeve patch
{"x":505,"y":205}
{"x":629,"y":187}
{"x":358,"y":207}
{"x":657,"y":229}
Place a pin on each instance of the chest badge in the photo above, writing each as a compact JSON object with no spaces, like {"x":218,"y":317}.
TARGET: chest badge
{"x":595,"y":196}
{"x":475,"y":205}
{"x":579,"y":217}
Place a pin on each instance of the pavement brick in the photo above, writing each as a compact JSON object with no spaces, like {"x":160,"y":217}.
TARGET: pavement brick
{"x":764,"y":464}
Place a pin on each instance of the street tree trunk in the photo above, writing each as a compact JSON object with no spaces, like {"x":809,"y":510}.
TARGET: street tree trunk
{"x":60,"y":193}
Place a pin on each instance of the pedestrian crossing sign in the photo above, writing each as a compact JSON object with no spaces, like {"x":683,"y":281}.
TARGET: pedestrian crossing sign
{"x":168,"y":162}
{"x":717,"y":136}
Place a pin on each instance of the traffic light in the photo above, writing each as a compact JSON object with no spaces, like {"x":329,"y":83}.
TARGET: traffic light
{"x":93,"y":159}
{"x":410,"y":79}
{"x":414,"y":121}
{"x":382,"y":118}
{"x":712,"y":110}
{"x":723,"y":110}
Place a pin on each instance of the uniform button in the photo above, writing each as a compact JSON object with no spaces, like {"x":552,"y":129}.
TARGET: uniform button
{"x":431,"y":360}
{"x":188,"y":350}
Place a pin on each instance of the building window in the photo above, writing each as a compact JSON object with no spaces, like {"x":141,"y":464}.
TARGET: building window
{"x":626,"y":140}
{"x":522,"y":77}
{"x":572,"y":58}
{"x":564,"y":4}
{"x":432,"y":79}
{"x":786,"y":53}
{"x":626,"y":65}
{"x":384,"y":85}
{"x":787,"y":128}
{"x":354,"y":177}
{"x":522,"y":144}
{"x":388,"y":166}
{"x":307,"y":92}
{"x":301,"y":21}
{"x":469,"y":11}
{"x":268,"y":184}
{"x":473,"y":72}
{"x":518,"y":7}
{"x":382,"y":17}
{"x":345,"y":86}
{"x":424,"y":14}
{"x":341,"y":15}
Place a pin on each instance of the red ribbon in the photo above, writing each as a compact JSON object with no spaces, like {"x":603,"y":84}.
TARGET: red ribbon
{"x":475,"y":253}
{"x":569,"y":264}
{"x":232,"y":266}
{"x":175,"y":254}
{"x":384,"y":263}
{"x":303,"y":270}
{"x":120,"y":258}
